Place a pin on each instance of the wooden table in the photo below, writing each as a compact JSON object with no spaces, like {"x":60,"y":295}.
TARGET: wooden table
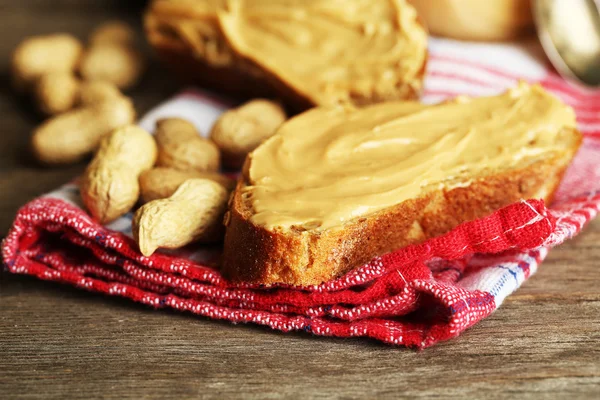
{"x":59,"y":342}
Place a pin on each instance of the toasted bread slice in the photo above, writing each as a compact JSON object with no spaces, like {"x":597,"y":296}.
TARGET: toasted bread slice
{"x":314,"y":203}
{"x":294,"y":50}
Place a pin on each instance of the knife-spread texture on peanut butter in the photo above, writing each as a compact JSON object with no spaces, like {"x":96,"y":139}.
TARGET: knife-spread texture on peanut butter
{"x":330,"y":165}
{"x":324,"y":52}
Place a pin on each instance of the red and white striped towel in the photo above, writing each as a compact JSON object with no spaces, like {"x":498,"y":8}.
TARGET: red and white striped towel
{"x":415,"y":296}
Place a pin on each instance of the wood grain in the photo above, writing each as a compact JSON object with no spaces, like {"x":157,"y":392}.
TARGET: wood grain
{"x":59,"y":342}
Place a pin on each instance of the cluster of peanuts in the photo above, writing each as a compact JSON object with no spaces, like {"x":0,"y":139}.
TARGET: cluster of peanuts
{"x":78,"y":88}
{"x":173,"y":176}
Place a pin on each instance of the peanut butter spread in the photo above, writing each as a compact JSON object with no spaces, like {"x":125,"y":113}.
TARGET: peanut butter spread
{"x":329,"y":165}
{"x":325,"y":51}
{"x":331,"y":51}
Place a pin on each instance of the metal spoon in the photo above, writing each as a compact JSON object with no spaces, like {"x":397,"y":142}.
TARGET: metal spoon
{"x":569,"y":31}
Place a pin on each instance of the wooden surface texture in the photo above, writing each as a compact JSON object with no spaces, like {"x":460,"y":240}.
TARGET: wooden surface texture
{"x":59,"y":342}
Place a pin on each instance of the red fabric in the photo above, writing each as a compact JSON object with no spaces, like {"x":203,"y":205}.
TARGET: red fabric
{"x":56,"y":241}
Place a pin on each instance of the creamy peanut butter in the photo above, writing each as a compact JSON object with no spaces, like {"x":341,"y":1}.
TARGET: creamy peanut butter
{"x":331,"y":51}
{"x":329,"y":165}
{"x":319,"y":52}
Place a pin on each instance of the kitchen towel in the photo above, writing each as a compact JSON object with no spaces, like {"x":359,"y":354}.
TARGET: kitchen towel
{"x":415,"y":296}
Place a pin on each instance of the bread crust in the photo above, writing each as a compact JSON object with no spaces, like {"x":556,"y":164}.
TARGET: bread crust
{"x":226,"y":80}
{"x":257,"y":255}
{"x":242,"y":78}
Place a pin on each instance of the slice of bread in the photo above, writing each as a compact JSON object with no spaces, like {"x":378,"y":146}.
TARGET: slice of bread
{"x":509,"y":147}
{"x":294,"y":50}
